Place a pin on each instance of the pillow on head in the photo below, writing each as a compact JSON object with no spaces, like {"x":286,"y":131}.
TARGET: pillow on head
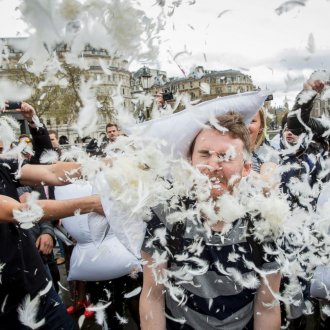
{"x":179,"y":129}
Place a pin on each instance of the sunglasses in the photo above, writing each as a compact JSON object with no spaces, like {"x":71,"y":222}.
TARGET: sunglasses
{"x":295,"y":131}
{"x":26,"y":140}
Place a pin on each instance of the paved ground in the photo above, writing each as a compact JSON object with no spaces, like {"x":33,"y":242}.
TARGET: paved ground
{"x":89,"y":323}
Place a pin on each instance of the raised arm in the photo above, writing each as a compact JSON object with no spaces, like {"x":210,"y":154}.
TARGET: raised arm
{"x":53,"y":209}
{"x":52,"y":175}
{"x":152,"y":299}
{"x":40,"y":137}
{"x":304,"y":101}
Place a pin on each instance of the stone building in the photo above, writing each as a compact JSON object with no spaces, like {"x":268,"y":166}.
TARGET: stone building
{"x":111,"y":74}
{"x":113,"y":78}
{"x":321,"y":107}
{"x":221,"y":83}
{"x":218,"y":83}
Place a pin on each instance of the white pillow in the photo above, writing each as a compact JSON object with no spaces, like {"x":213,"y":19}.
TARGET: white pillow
{"x":76,"y":226}
{"x":108,"y":261}
{"x":98,"y":254}
{"x":179,"y":129}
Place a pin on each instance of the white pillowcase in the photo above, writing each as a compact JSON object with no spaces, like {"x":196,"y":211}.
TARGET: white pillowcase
{"x":98,"y":254}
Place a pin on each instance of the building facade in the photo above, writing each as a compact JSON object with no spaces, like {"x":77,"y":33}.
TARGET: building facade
{"x":58,"y":107}
{"x":321,"y":107}
{"x":221,"y":83}
{"x":111,"y":74}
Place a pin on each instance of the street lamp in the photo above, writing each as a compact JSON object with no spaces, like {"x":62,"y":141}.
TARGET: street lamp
{"x":145,"y":82}
{"x":145,"y":78}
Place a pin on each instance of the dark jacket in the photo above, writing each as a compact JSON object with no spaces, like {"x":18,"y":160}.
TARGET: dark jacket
{"x":41,"y":142}
{"x":315,"y":124}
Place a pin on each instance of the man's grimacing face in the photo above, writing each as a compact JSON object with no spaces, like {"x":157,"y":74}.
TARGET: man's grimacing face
{"x":220,"y":157}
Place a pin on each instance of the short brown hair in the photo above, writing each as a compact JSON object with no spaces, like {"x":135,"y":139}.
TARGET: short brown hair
{"x":234,"y":123}
{"x":110,"y":125}
{"x":51,"y":131}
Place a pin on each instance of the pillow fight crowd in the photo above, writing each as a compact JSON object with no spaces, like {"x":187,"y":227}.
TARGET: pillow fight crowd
{"x":208,"y":258}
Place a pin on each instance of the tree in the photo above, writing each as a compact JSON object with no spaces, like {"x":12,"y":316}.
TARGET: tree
{"x":60,"y":101}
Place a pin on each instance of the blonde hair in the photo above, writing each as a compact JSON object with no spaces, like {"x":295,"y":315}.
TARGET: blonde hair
{"x":263,"y":129}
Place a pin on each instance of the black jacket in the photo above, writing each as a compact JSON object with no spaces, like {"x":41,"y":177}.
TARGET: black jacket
{"x":315,"y":124}
{"x":41,"y":142}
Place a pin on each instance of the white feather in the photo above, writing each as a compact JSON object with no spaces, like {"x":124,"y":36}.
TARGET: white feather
{"x":31,"y":213}
{"x":49,"y":157}
{"x":121,"y":319}
{"x":27,"y":312}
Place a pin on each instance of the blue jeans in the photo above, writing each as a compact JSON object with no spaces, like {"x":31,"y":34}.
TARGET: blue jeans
{"x":51,"y":308}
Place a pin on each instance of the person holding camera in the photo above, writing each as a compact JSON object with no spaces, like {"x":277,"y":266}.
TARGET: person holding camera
{"x":161,"y":99}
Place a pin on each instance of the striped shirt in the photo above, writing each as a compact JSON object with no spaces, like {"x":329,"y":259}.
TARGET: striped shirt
{"x":205,"y":287}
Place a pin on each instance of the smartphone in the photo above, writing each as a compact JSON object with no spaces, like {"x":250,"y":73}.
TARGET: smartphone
{"x":13,"y":105}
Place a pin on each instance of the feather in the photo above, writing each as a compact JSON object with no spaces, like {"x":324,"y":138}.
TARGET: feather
{"x":27,"y":312}
{"x":205,"y":88}
{"x":223,"y":12}
{"x":205,"y":57}
{"x":2,"y":266}
{"x":81,"y":321}
{"x":104,"y":67}
{"x":49,"y":157}
{"x":121,"y":319}
{"x":10,"y":90}
{"x":132,"y":293}
{"x":293,"y":82}
{"x":288,"y":6}
{"x":100,"y":317}
{"x":62,"y":287}
{"x":311,"y":44}
{"x":31,"y":213}
{"x":8,"y":125}
{"x":87,"y":117}
{"x":46,"y":289}
{"x":3,"y":305}
{"x":178,"y":320}
{"x":326,"y":310}
{"x":233,"y":257}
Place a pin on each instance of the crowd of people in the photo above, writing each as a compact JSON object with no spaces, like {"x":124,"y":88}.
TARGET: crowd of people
{"x":196,"y":269}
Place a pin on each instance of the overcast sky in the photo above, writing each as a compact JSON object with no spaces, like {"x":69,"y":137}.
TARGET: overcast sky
{"x":278,"y":48}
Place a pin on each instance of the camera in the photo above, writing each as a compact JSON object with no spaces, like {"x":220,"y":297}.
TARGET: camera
{"x":13,"y":105}
{"x":269,"y":97}
{"x":167,"y":95}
